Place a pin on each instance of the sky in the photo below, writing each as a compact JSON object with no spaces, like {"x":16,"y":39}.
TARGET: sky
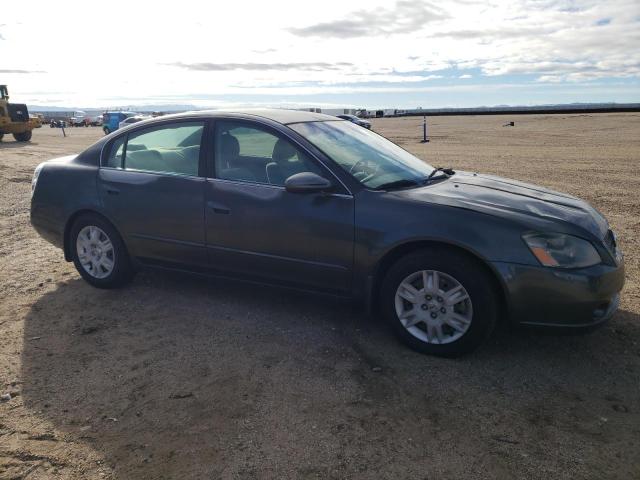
{"x":369,"y":54}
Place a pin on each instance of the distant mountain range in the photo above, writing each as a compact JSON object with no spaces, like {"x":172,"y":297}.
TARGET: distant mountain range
{"x":524,"y":109}
{"x":550,"y":108}
{"x":133,"y":108}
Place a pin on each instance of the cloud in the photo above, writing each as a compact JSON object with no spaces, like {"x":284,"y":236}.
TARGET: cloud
{"x":466,"y":75}
{"x":498,"y":33}
{"x":408,"y":16}
{"x":20,"y":71}
{"x":374,"y":78}
{"x":265,"y":50}
{"x":226,"y":67}
{"x":323,"y":48}
{"x":549,"y":40}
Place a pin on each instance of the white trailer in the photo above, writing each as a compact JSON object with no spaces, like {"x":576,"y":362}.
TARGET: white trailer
{"x":339,"y":111}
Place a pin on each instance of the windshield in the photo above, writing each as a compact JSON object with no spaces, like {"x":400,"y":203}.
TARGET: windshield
{"x":370,"y":158}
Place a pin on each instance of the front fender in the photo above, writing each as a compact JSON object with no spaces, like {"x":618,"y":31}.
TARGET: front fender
{"x":384,"y":222}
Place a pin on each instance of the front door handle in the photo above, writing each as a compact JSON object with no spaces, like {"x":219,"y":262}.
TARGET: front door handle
{"x":113,"y":191}
{"x":217,"y":208}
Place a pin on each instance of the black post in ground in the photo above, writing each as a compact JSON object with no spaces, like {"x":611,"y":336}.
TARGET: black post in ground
{"x":425,"y":139}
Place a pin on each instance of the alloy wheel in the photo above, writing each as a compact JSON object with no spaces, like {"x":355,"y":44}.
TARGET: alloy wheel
{"x":95,"y":251}
{"x":433,"y":307}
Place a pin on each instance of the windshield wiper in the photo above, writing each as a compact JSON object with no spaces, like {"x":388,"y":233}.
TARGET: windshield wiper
{"x":447,"y":171}
{"x":399,"y":184}
{"x":407,"y":182}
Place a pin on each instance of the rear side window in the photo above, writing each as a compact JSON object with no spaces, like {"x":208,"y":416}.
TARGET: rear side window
{"x":171,"y":148}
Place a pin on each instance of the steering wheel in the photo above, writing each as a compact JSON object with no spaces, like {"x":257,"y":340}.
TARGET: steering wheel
{"x":356,"y":165}
{"x":370,"y":170}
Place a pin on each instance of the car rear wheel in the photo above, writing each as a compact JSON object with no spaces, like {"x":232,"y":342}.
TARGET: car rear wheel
{"x":99,"y":253}
{"x":439,"y":302}
{"x":1,"y":135}
{"x":22,"y":137}
{"x":106,"y":130}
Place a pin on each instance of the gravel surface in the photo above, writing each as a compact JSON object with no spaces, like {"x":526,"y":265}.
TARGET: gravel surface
{"x":181,"y":377}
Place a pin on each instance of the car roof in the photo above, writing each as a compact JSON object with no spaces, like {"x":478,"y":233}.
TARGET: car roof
{"x":279,"y":115}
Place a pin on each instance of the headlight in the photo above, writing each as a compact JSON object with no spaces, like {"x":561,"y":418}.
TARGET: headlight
{"x":562,"y":251}
{"x":36,"y":174}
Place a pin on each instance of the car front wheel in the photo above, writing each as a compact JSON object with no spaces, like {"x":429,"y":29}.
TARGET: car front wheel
{"x":439,"y":302}
{"x":99,"y":254}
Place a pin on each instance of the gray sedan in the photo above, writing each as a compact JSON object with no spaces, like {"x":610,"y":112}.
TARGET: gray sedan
{"x":358,"y":121}
{"x":308,"y":201}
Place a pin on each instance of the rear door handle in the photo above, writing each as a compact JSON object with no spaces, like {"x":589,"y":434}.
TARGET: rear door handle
{"x":217,"y":208}
{"x":113,"y":191}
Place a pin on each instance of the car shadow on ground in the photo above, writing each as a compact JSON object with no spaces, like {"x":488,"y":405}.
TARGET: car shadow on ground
{"x":6,"y":143}
{"x":181,"y":377}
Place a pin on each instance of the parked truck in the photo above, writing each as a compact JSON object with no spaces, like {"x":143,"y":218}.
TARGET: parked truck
{"x":15,"y":118}
{"x":111,"y":120}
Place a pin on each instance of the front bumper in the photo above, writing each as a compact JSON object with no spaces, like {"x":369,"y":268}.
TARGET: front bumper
{"x":576,"y":298}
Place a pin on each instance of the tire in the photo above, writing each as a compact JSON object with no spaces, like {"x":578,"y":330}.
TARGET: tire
{"x":106,"y":130}
{"x":428,"y":329}
{"x":1,"y":135}
{"x":22,"y":137}
{"x":95,"y":232}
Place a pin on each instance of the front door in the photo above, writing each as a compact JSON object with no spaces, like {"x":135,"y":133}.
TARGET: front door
{"x":255,"y":227}
{"x":151,"y":186}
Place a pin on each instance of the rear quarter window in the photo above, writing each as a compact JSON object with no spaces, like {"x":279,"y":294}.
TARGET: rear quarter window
{"x":116,"y":153}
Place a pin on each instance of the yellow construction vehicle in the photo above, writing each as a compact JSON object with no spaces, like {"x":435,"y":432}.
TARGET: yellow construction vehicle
{"x":15,"y":119}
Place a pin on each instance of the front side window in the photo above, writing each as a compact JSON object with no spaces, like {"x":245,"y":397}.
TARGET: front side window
{"x":166,"y":149}
{"x":370,"y":158}
{"x":246,"y":152}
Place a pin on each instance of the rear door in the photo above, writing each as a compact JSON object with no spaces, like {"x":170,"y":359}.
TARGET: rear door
{"x":151,"y":186}
{"x":255,"y":228}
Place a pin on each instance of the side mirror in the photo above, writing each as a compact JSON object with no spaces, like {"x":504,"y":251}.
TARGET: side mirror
{"x":306,"y":182}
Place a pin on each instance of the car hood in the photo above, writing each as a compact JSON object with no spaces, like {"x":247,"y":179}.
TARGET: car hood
{"x":501,"y":196}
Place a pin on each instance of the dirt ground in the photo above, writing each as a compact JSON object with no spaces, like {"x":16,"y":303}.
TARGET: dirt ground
{"x":180,"y":377}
